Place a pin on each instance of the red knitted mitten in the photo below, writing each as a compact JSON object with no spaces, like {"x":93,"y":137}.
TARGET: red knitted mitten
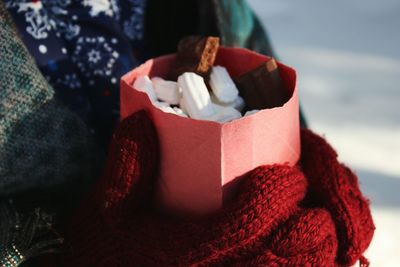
{"x":121,"y":191}
{"x":268,"y":224}
{"x":127,"y":184}
{"x":307,"y":238}
{"x":335,"y":187}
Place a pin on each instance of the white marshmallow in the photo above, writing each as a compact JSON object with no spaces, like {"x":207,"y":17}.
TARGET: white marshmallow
{"x":182,"y":105}
{"x":251,"y":112}
{"x":238,"y":103}
{"x":160,"y":104}
{"x":225,"y":114}
{"x":144,"y":84}
{"x":168,"y":109}
{"x":167,"y":91}
{"x":218,"y":108}
{"x":197,"y":101}
{"x":180,"y":112}
{"x":222,"y":85}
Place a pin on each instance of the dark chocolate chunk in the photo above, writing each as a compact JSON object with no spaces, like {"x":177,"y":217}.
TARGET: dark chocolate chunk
{"x":195,"y":54}
{"x":262,"y":87}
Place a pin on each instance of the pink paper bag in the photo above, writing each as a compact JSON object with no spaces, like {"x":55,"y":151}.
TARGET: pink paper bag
{"x":202,"y":161}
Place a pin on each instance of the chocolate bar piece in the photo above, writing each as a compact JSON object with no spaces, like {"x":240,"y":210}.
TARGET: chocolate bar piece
{"x":195,"y":54}
{"x":262,"y":87}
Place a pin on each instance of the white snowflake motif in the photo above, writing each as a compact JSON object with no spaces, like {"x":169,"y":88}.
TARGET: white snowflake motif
{"x":94,"y":56}
{"x":70,"y":80}
{"x":36,"y":17}
{"x":44,"y":16}
{"x":133,"y":27}
{"x":98,"y":6}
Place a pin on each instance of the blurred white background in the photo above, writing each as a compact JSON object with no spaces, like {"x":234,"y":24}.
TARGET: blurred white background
{"x":347,"y":56}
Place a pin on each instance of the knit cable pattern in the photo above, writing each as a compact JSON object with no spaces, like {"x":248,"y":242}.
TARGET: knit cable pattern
{"x":309,"y":215}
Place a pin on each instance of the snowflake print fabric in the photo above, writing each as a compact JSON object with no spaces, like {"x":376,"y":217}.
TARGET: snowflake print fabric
{"x":83,"y":48}
{"x":133,"y":16}
{"x":95,"y":56}
{"x":44,"y":16}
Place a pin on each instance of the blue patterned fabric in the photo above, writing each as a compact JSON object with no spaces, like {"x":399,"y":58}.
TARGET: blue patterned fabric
{"x":83,"y":47}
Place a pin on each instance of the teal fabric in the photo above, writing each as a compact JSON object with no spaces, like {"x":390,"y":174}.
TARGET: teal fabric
{"x":239,"y":27}
{"x":236,"y":21}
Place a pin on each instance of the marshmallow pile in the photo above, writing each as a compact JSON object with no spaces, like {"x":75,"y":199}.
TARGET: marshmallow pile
{"x":189,"y":96}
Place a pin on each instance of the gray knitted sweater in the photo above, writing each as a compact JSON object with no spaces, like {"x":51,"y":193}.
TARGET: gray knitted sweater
{"x":42,"y":143}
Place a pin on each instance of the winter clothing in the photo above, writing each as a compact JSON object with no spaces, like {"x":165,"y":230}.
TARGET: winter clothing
{"x":312,"y":214}
{"x":83,"y":48}
{"x":42,"y":144}
{"x":44,"y":148}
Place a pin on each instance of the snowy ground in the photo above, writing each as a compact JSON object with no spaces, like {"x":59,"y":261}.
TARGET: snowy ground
{"x":347,"y":54}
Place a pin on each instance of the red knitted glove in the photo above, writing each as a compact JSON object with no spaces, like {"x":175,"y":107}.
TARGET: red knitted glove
{"x":270,"y":223}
